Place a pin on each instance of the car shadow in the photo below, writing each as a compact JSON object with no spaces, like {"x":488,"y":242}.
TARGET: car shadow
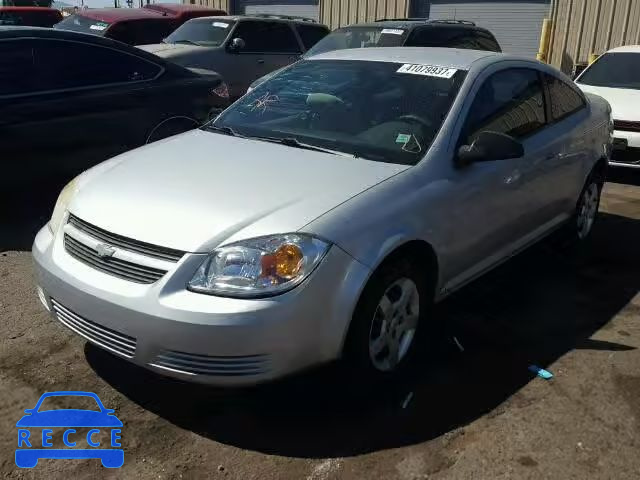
{"x":532,"y":310}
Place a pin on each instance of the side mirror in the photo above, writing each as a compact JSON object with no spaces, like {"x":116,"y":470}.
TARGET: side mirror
{"x":236,"y":44}
{"x":489,"y":146}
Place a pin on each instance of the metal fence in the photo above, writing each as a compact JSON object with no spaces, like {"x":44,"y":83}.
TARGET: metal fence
{"x":338,"y":13}
{"x":585,"y":27}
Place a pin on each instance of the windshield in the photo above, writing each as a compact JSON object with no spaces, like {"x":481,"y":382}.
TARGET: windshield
{"x":78,"y":23}
{"x":359,"y":37}
{"x":614,"y":70}
{"x":205,"y":32}
{"x":376,"y":110}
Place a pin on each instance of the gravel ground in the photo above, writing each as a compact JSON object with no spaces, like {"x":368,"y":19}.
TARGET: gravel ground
{"x":472,"y":414}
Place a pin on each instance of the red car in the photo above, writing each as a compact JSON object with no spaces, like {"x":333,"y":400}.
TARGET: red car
{"x":134,"y":26}
{"x":184,"y":12}
{"x":29,"y":16}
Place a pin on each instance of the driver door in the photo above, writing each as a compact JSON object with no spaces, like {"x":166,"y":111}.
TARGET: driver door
{"x":494,"y":212}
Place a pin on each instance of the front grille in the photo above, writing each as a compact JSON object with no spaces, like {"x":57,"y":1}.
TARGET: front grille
{"x":205,"y":365}
{"x":143,"y":248}
{"x":626,"y":126}
{"x":113,"y":266}
{"x":104,"y":337}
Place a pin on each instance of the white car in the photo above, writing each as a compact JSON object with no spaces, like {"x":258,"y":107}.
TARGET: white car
{"x":615,"y":76}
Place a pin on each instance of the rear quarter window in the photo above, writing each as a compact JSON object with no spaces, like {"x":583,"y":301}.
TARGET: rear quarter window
{"x":563,"y":98}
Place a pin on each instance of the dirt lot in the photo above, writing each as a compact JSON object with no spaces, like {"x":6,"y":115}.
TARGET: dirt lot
{"x":473,"y":414}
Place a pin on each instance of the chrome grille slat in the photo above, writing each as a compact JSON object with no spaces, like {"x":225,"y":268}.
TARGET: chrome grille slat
{"x":195,"y":364}
{"x":143,"y":248}
{"x":119,"y":268}
{"x":120,"y":338}
{"x":104,"y":337}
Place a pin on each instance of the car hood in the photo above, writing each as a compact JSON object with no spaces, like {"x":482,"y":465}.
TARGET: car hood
{"x":170,"y":49}
{"x":69,"y":418}
{"x":624,"y":101}
{"x":200,"y":189}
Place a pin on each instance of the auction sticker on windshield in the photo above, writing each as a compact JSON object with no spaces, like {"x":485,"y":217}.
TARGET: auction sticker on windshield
{"x":427,"y":70}
{"x":392,"y":31}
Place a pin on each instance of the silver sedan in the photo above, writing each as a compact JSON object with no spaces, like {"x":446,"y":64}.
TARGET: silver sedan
{"x":322,"y":214}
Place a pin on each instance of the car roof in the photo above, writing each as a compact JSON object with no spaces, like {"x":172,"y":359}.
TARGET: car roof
{"x":264,"y":18}
{"x":111,"y":15}
{"x":446,"y":57}
{"x":417,"y":22}
{"x":180,"y":7}
{"x":60,"y":34}
{"x":626,"y":48}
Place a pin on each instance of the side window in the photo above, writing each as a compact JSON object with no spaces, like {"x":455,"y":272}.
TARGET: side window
{"x":141,"y":32}
{"x":267,"y":37}
{"x":311,"y":34}
{"x":65,"y":64}
{"x":510,"y":102}
{"x":563,"y":98}
{"x":16,"y":67}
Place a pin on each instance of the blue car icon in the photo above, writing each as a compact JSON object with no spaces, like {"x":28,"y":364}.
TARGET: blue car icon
{"x":68,"y":418}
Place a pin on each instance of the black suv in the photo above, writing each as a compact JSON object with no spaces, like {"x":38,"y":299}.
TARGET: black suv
{"x":404,"y":32}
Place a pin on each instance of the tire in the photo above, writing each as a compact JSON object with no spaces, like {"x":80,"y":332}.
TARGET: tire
{"x":386,"y":329}
{"x":584,"y":218}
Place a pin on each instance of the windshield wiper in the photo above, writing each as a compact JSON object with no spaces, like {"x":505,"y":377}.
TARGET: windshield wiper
{"x":295,"y":143}
{"x":226,"y":130}
{"x":190,"y":42}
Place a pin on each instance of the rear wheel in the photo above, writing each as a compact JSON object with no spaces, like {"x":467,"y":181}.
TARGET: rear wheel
{"x":584,"y":218}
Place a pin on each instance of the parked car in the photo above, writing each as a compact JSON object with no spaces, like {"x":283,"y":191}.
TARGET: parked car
{"x":70,"y":101}
{"x":240,"y":48}
{"x":321,"y":214}
{"x":29,"y":16}
{"x":408,"y":32}
{"x":134,"y":26}
{"x":615,"y":76}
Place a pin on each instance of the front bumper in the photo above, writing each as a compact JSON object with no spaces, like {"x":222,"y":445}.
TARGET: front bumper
{"x":196,"y":337}
{"x":627,"y":154}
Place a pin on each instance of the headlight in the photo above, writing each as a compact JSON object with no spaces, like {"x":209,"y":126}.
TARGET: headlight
{"x":259,"y":267}
{"x":65,"y":197}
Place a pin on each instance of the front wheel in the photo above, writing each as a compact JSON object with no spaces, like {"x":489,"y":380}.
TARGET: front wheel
{"x":383,"y":337}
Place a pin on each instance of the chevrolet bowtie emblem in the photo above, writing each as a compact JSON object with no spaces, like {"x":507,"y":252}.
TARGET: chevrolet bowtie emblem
{"x":105,"y":250}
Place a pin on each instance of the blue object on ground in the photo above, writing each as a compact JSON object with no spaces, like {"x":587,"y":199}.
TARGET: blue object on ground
{"x":541,"y":372}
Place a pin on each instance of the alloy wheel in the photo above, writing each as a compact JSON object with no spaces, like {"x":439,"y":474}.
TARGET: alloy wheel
{"x":587,"y":210}
{"x":394,"y":324}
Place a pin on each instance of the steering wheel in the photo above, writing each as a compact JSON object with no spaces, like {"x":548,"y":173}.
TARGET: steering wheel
{"x":415,"y":119}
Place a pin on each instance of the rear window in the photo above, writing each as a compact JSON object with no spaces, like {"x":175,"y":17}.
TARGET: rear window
{"x":78,"y":23}
{"x":205,"y":32}
{"x":359,"y":37}
{"x":614,"y":70}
